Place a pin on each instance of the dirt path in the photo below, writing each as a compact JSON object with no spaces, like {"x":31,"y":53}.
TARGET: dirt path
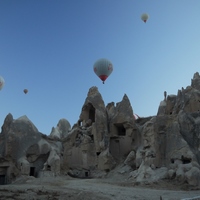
{"x":116,"y":192}
{"x":86,"y":189}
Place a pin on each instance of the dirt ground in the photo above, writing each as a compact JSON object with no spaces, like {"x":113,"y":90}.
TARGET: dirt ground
{"x":67,"y":188}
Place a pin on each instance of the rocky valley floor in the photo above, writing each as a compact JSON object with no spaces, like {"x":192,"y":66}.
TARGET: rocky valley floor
{"x":61,"y":188}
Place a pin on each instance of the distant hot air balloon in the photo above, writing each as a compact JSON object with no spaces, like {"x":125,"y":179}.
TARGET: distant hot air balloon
{"x":2,"y":82}
{"x":25,"y":91}
{"x":144,"y":17}
{"x":103,"y":68}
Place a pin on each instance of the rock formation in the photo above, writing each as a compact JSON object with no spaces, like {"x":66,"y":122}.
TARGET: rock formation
{"x":25,"y":151}
{"x":61,"y":130}
{"x":164,"y":146}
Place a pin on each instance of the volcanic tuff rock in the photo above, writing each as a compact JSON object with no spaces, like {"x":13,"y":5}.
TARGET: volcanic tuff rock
{"x":18,"y":135}
{"x":187,"y":99}
{"x":61,"y":130}
{"x":165,"y":146}
{"x":25,"y":150}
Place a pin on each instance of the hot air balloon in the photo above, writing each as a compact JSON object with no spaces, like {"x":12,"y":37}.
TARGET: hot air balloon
{"x":25,"y":91}
{"x":103,"y":68}
{"x":2,"y":82}
{"x":144,"y":17}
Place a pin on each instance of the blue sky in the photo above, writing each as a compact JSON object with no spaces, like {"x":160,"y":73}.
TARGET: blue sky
{"x":50,"y":46}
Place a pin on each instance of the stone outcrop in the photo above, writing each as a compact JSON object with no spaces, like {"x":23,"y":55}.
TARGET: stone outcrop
{"x":164,"y":146}
{"x":123,"y":132}
{"x":89,"y":137}
{"x":18,"y":135}
{"x":26,"y":151}
{"x":61,"y":130}
{"x":187,"y":100}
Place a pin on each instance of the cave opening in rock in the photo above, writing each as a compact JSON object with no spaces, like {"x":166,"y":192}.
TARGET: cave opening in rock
{"x":2,"y":179}
{"x":86,"y":174}
{"x":92,"y":113}
{"x":185,"y":160}
{"x":98,"y":153}
{"x":32,"y":171}
{"x":121,"y":131}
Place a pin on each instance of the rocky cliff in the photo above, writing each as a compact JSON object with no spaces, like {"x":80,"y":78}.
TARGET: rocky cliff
{"x":105,"y":137}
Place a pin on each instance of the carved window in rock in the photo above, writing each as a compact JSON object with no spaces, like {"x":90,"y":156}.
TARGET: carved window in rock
{"x":3,"y":174}
{"x":89,"y":112}
{"x":48,"y":168}
{"x":2,"y":179}
{"x":98,"y":153}
{"x":86,"y":174}
{"x":79,"y":122}
{"x":185,"y":160}
{"x":92,"y":113}
{"x":32,"y":171}
{"x":121,"y":131}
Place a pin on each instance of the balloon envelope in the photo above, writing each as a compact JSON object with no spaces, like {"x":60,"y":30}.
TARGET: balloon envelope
{"x":25,"y":91}
{"x":103,"y":68}
{"x":2,"y":82}
{"x":144,"y":17}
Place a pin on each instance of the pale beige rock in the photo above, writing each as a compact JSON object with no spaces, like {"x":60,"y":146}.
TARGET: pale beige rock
{"x":55,"y":133}
{"x":193,"y":176}
{"x":105,"y":161}
{"x":130,"y":160}
{"x":180,"y":175}
{"x":171,"y":174}
{"x":54,"y":162}
{"x":61,"y":130}
{"x":104,"y":137}
{"x":24,"y":166}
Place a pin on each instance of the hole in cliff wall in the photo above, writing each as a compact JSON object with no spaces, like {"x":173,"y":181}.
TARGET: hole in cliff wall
{"x":48,"y":168}
{"x":79,"y":122}
{"x":88,"y":112}
{"x":86,"y":174}
{"x":92,"y":137}
{"x":92,"y":113}
{"x":98,"y":153}
{"x":32,"y":171}
{"x":121,"y":131}
{"x":172,"y":160}
{"x":2,"y":179}
{"x":185,"y":160}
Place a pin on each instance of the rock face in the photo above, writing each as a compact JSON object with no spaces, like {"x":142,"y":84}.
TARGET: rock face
{"x":89,"y":137}
{"x":123,"y":133}
{"x":187,"y":99}
{"x":61,"y":130}
{"x":25,"y":151}
{"x":20,"y":131}
{"x":164,"y":146}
